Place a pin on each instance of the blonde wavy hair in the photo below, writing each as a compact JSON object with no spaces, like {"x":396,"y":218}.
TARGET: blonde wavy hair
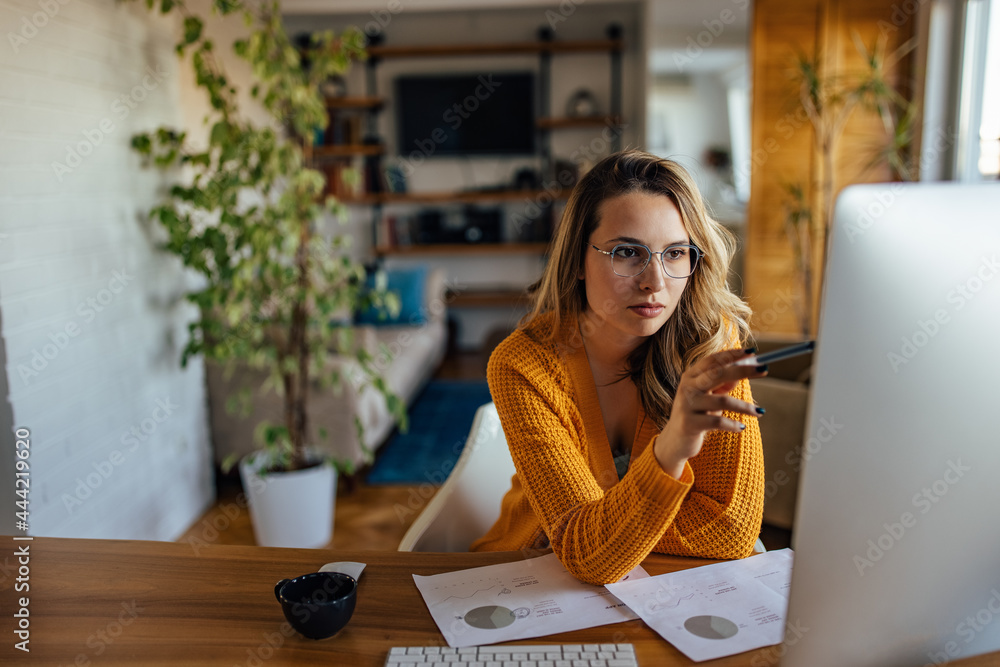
{"x":709,"y":317}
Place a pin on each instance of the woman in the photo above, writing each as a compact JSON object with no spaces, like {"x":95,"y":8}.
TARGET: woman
{"x":630,"y":427}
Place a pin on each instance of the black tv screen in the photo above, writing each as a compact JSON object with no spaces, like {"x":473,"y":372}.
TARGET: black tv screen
{"x":466,"y":114}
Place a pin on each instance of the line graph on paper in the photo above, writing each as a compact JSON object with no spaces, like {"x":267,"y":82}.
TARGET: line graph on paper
{"x":497,"y":584}
{"x":666,"y":599}
{"x":481,"y":604}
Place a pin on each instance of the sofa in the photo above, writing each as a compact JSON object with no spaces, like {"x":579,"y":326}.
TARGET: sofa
{"x":416,"y":340}
{"x":784,"y":394}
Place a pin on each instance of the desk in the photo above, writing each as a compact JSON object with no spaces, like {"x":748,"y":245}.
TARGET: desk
{"x":112,"y":602}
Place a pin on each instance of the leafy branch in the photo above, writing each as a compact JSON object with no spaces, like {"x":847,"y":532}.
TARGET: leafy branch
{"x":245,"y":219}
{"x":829,"y":101}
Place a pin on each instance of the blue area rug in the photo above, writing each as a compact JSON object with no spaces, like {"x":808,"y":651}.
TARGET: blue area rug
{"x":440,"y":419}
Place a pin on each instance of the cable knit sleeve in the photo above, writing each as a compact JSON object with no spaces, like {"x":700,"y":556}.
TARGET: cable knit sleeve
{"x":600,"y":528}
{"x":598,"y":535}
{"x":721,"y":516}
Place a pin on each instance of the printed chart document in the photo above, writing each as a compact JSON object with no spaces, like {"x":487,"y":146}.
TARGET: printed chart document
{"x":715,"y":610}
{"x":528,"y":598}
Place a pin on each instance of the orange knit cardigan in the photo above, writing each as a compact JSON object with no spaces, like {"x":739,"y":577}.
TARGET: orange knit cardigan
{"x":566,"y":493}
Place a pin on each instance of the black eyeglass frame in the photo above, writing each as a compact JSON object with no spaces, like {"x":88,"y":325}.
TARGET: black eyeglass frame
{"x":698,"y":254}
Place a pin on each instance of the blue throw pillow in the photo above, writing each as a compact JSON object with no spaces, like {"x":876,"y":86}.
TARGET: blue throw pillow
{"x":409,"y":284}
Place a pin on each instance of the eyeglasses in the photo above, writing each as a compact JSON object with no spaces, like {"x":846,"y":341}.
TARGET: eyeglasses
{"x":631,"y":259}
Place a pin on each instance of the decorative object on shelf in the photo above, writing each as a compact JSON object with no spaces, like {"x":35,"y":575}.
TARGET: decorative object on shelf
{"x":268,"y":281}
{"x":334,"y":86}
{"x":526,"y":178}
{"x":581,"y":104}
{"x":395,"y":178}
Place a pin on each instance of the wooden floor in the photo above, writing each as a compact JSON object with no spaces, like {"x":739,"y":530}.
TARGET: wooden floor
{"x":366,"y":517}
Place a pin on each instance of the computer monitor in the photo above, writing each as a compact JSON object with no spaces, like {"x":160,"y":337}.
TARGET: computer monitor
{"x":897,"y":528}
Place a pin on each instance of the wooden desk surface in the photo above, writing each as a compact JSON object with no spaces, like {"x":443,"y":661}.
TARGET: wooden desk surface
{"x":115,"y":602}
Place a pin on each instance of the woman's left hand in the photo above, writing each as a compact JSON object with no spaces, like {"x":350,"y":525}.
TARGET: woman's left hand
{"x":702,"y":397}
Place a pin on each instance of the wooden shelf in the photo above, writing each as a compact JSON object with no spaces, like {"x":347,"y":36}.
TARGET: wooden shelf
{"x":498,"y":298}
{"x":584,"y":122}
{"x":471,"y":197}
{"x":363,"y":103}
{"x":384,"y":229}
{"x":347,"y":150}
{"x":511,"y":48}
{"x":453,"y":249}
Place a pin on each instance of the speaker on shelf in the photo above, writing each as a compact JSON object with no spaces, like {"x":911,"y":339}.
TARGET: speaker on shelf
{"x":482,"y":225}
{"x":429,"y":226}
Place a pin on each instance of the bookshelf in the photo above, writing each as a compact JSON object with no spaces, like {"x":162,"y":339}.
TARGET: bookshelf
{"x":361,"y":148}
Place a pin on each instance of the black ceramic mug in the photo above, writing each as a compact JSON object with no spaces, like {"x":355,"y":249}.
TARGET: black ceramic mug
{"x":318,"y":604}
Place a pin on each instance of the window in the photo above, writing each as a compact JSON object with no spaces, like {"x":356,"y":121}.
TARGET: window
{"x":961,"y":133}
{"x":989,"y":129}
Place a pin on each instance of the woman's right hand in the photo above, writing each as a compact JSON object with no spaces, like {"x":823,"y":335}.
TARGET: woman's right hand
{"x":702,"y":396}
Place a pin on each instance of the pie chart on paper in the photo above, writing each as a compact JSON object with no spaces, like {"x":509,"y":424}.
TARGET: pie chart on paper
{"x":711,"y":627}
{"x":492,"y":617}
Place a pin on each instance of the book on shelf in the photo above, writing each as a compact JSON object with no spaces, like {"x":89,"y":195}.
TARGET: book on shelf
{"x":344,"y":130}
{"x":394,"y":232}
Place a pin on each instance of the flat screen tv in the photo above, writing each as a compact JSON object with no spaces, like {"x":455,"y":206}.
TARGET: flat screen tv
{"x":466,"y":114}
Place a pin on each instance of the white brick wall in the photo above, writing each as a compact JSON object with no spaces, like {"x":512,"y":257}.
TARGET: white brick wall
{"x":91,"y":320}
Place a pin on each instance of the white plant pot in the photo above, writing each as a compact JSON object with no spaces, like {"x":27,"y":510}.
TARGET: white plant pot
{"x":290,"y":509}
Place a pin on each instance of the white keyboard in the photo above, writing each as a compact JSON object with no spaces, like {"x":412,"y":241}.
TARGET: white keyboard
{"x":524,"y":655}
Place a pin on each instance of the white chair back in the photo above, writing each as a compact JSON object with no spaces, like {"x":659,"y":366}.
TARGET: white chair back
{"x":468,"y":503}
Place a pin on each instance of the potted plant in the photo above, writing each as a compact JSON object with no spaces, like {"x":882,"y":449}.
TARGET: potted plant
{"x":829,"y":100}
{"x":245,"y":218}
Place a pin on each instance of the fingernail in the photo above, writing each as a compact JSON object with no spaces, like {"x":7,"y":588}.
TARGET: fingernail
{"x":761,"y":369}
{"x":760,"y":411}
{"x":750,"y":350}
